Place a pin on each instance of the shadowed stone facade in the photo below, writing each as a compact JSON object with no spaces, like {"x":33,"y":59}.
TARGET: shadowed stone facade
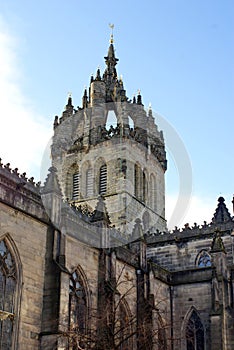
{"x":86,"y":260}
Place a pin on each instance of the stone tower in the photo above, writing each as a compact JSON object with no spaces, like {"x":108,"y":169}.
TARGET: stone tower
{"x":124,"y":162}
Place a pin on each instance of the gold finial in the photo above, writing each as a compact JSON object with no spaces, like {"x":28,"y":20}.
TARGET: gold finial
{"x":111,"y":37}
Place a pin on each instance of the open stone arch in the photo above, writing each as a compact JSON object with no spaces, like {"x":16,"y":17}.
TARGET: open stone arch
{"x":193,"y":331}
{"x":10,"y":292}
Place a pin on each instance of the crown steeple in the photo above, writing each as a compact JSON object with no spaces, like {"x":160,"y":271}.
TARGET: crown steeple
{"x":110,"y":74}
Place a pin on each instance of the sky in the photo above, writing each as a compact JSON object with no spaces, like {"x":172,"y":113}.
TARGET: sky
{"x":178,"y":53}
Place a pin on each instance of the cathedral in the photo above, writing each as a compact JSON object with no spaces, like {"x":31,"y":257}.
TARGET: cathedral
{"x":86,"y":258}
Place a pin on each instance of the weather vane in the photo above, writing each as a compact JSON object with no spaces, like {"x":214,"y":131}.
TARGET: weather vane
{"x":111,"y":37}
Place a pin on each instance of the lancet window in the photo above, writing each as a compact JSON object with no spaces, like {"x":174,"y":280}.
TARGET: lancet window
{"x":76,"y":185}
{"x":103,"y":179}
{"x":89,"y":183}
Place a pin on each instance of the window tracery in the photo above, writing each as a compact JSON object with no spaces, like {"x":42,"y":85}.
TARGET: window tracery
{"x":195,"y":333}
{"x":78,"y":304}
{"x":8,"y":280}
{"x":203,"y":259}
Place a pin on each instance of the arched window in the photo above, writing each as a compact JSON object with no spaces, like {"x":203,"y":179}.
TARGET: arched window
{"x":203,"y":259}
{"x":152,"y":192}
{"x":89,"y":183}
{"x":103,"y":179}
{"x":8,"y":283}
{"x":76,"y":186}
{"x":146,"y":220}
{"x":144,"y":187}
{"x":78,"y":306}
{"x":137,"y":182}
{"x":195,"y":333}
{"x":123,"y":332}
{"x":161,"y":334}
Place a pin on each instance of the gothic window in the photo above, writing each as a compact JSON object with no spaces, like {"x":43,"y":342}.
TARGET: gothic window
{"x":137,"y":178}
{"x":194,"y":333}
{"x":161,"y":335}
{"x":103,"y":179}
{"x":78,"y":305}
{"x":8,"y":281}
{"x":146,"y":220}
{"x":76,"y":186}
{"x":144,"y":188}
{"x":123,"y":339}
{"x":152,"y":192}
{"x":89,"y":183}
{"x":203,"y":259}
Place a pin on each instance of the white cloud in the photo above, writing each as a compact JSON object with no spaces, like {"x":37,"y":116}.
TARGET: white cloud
{"x":23,"y":134}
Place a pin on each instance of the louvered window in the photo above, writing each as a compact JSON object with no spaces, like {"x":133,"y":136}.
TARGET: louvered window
{"x":103,"y":179}
{"x":89,"y":183}
{"x":76,"y":186}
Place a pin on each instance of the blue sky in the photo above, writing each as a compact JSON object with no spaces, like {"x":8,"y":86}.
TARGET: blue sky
{"x":178,"y":53}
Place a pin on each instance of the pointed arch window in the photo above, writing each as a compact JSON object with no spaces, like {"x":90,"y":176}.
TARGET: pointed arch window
{"x":144,"y":187}
{"x":89,"y":183}
{"x":203,"y":259}
{"x":103,"y":179}
{"x":123,"y":332}
{"x":8,"y":283}
{"x":78,"y":305}
{"x":137,"y":178}
{"x":195,"y":333}
{"x":152,"y":192}
{"x":76,"y":186}
{"x":161,"y":334}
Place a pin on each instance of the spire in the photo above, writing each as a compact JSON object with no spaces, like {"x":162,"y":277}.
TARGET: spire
{"x":100,"y":214}
{"x":110,"y":73}
{"x":68,"y":111}
{"x":139,"y":99}
{"x":51,"y":183}
{"x":150,"y":113}
{"x":85,"y":99}
{"x":221,"y":214}
{"x":98,"y":75}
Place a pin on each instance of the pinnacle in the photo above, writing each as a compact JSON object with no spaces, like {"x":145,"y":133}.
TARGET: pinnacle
{"x":221,"y":214}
